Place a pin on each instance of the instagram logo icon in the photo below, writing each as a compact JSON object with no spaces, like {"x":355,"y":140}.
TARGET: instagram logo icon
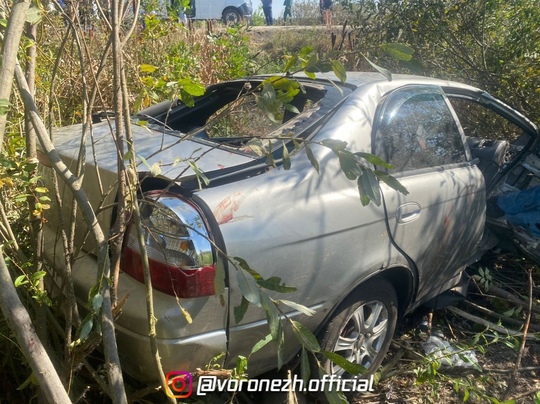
{"x":179,"y":384}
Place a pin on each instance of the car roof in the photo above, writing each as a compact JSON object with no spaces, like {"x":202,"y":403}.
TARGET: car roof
{"x":359,"y":79}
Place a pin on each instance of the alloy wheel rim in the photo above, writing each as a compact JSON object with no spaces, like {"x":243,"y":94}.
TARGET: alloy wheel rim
{"x":362,"y":337}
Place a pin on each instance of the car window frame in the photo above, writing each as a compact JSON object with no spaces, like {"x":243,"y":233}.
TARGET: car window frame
{"x":506,"y":111}
{"x":378,"y":147}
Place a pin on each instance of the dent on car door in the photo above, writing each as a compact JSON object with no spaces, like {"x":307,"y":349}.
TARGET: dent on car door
{"x":439,"y":224}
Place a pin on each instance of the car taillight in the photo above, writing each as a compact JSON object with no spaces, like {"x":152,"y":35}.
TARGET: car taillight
{"x":179,"y":247}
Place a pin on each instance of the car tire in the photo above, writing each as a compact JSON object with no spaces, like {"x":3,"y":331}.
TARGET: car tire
{"x":231,"y":16}
{"x":362,"y":327}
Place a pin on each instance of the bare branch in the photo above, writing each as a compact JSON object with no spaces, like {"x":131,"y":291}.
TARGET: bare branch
{"x":29,"y":342}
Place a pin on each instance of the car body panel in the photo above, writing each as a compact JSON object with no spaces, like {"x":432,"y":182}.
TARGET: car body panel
{"x":304,"y":239}
{"x":438,"y":231}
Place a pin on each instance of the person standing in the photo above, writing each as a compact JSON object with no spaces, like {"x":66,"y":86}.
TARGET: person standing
{"x":326,"y":11}
{"x":267,"y":9}
{"x":287,"y":12}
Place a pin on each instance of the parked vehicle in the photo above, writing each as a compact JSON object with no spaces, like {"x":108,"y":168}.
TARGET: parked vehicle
{"x":228,"y":11}
{"x":360,"y":268}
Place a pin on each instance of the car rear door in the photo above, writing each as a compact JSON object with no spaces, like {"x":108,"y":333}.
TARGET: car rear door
{"x":440,"y":222}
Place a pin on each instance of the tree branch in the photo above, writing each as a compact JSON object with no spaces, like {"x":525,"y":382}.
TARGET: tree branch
{"x":31,"y":346}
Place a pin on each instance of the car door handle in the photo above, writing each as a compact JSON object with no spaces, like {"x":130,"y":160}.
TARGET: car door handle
{"x":408,"y":212}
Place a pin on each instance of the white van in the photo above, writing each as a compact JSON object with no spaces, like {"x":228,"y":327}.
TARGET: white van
{"x":229,"y":11}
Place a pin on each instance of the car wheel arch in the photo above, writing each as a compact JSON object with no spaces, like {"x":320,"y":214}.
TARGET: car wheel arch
{"x":400,"y":277}
{"x":403,"y":282}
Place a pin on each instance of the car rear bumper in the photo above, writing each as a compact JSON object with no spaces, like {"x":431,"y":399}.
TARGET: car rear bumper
{"x":182,"y":345}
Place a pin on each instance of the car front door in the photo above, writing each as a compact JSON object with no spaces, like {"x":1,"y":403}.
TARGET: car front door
{"x":440,"y":222}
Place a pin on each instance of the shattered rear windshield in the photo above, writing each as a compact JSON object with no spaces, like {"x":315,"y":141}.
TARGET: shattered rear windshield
{"x":231,"y":115}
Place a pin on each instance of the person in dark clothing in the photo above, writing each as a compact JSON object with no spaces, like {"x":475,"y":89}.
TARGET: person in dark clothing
{"x":267,"y":9}
{"x":326,"y":11}
{"x":287,"y":12}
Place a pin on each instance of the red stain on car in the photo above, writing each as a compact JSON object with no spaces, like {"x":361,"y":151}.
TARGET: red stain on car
{"x":226,"y":209}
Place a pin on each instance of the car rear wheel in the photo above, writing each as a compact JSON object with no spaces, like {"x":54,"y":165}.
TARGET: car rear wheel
{"x":362,"y":327}
{"x":231,"y":16}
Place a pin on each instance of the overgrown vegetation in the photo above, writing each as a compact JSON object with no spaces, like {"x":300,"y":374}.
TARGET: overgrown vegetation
{"x":492,"y":44}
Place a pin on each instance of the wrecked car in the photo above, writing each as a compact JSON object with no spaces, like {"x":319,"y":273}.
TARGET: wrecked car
{"x":359,"y":268}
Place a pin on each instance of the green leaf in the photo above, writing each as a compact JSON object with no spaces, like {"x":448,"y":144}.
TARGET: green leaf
{"x":398,"y":51}
{"x":144,"y":68}
{"x":272,"y":314}
{"x":339,"y":70}
{"x":324,"y":66}
{"x":305,"y":369}
{"x":192,"y":88}
{"x":31,"y":380}
{"x":199,"y":174}
{"x":290,"y":87}
{"x":391,"y":181}
{"x":97,"y":302}
{"x":291,"y":108}
{"x":349,"y":367}
{"x":305,"y":336}
{"x":186,"y":98}
{"x":129,"y":154}
{"x":312,"y":158}
{"x":86,"y":328}
{"x":248,"y":287}
{"x":241,"y":365}
{"x":270,"y":160}
{"x":301,"y":308}
{"x":371,"y":185}
{"x":245,"y":266}
{"x":335,"y":397}
{"x":286,"y":157}
{"x":334,"y":144}
{"x":21,"y":197}
{"x":268,"y":102}
{"x":332,"y":395}
{"x":311,"y":65}
{"x":33,"y":16}
{"x":305,"y":51}
{"x":240,"y":311}
{"x":4,"y":106}
{"x":280,"y":349}
{"x":21,"y":280}
{"x":364,"y":198}
{"x":274,"y":283}
{"x":261,"y":344}
{"x":257,"y":146}
{"x":375,"y":160}
{"x":291,"y":61}
{"x":143,"y":160}
{"x":41,"y":190}
{"x":349,"y":165}
{"x":386,"y":73}
{"x":37,"y":275}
